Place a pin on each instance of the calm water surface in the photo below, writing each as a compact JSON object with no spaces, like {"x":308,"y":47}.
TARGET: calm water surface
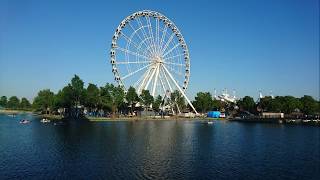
{"x":157,"y":150}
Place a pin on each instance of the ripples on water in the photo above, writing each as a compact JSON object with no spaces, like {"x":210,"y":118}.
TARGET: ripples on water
{"x":157,"y":150}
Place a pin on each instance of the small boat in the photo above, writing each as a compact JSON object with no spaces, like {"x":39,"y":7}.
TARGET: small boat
{"x":210,"y":122}
{"x":44,"y":120}
{"x":24,"y":121}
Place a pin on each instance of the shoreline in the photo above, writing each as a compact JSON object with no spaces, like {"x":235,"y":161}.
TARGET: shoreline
{"x":15,"y":111}
{"x":168,"y":118}
{"x":149,"y":118}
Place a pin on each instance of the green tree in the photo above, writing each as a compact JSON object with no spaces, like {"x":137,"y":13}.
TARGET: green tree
{"x":3,"y":101}
{"x":309,"y":105}
{"x":145,"y":98}
{"x":78,"y":90}
{"x":92,"y":96}
{"x":217,"y":104}
{"x":275,"y":105}
{"x":44,"y":101}
{"x":289,"y":104}
{"x":112,"y":97}
{"x":64,"y":98}
{"x":265,"y":103}
{"x":13,"y":102}
{"x":247,"y":104}
{"x":156,"y":103}
{"x":203,"y":102}
{"x":177,"y":101}
{"x":132,"y":97}
{"x":25,"y":104}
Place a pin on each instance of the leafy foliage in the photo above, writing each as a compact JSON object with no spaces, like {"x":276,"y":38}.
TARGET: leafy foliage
{"x":13,"y":103}
{"x":132,"y":97}
{"x":247,"y":103}
{"x":111,"y":97}
{"x":309,"y":105}
{"x":203,"y":102}
{"x":92,"y":96}
{"x":146,"y":98}
{"x":78,"y":91}
{"x":25,"y":104}
{"x":156,"y":103}
{"x":44,"y":100}
{"x":3,"y":101}
{"x":178,"y":101}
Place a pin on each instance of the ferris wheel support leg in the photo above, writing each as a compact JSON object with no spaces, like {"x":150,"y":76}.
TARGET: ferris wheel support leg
{"x":141,"y":86}
{"x":168,"y":83}
{"x":175,"y":83}
{"x":150,"y":78}
{"x":155,"y":80}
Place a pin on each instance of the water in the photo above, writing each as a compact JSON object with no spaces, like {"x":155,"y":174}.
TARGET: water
{"x":157,"y":150}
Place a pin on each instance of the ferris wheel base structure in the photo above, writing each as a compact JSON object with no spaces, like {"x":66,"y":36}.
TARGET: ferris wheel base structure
{"x":149,"y":52}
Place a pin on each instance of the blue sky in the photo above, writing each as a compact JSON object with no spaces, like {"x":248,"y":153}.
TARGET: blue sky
{"x":249,"y":45}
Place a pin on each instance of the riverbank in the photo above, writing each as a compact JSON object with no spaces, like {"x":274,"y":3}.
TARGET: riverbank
{"x":11,"y":111}
{"x":148,"y":118}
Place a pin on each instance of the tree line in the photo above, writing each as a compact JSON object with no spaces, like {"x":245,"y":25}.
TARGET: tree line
{"x":285,"y":104}
{"x":15,"y":103}
{"x":74,"y":98}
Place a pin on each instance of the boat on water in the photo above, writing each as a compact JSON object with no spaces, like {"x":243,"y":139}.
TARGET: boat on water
{"x":210,"y":122}
{"x":24,"y":121}
{"x":45,"y":120}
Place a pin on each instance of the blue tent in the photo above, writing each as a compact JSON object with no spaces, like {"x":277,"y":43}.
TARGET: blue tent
{"x":214,"y":114}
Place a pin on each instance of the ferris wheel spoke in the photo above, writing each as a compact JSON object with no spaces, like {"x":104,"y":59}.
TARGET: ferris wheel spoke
{"x":129,"y":39}
{"x":132,"y":53}
{"x":136,"y":31}
{"x":144,"y":33}
{"x":166,"y":78}
{"x":182,"y":92}
{"x":136,"y":71}
{"x":145,"y":77}
{"x":175,"y":46}
{"x":135,"y":85}
{"x":172,"y":57}
{"x":151,"y":33}
{"x":155,"y":80}
{"x":146,"y":51}
{"x":164,"y":33}
{"x":173,"y":70}
{"x":132,"y":62}
{"x":150,"y":78}
{"x":157,"y":35}
{"x":176,"y":64}
{"x":161,"y":81}
{"x":168,"y":42}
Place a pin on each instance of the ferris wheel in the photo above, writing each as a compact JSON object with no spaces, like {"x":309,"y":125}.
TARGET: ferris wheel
{"x":149,"y":52}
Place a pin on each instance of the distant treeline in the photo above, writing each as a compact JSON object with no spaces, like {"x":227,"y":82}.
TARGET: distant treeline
{"x":113,"y":100}
{"x":286,"y":104}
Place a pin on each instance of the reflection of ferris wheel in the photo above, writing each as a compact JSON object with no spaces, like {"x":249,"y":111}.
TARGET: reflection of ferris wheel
{"x":149,"y":52}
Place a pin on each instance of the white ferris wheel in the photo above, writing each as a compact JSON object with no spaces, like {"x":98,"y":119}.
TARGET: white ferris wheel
{"x":149,"y":52}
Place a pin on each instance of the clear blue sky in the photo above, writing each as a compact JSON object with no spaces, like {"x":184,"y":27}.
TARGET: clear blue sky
{"x":248,"y":45}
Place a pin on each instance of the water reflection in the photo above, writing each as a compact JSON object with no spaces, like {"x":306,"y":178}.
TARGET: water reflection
{"x":157,"y":149}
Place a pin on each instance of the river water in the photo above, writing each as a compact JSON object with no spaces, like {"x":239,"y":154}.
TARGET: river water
{"x":157,"y":150}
